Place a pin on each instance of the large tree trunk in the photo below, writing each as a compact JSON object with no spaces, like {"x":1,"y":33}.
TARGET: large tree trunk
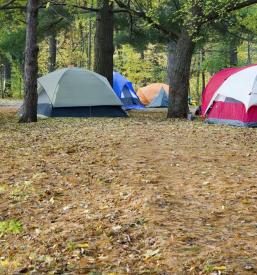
{"x":180,"y":76}
{"x":104,"y":40}
{"x":171,"y":58}
{"x":29,"y":113}
{"x":52,"y":52}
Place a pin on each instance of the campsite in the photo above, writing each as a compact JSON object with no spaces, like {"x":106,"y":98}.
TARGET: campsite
{"x":128,"y":137}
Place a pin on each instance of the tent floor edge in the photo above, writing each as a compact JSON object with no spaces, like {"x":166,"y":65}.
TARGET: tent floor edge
{"x":89,"y":111}
{"x":236,"y":123}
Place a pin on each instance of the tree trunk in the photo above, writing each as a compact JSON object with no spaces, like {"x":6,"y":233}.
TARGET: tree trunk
{"x":249,"y":56}
{"x":233,"y":54}
{"x":171,"y":59}
{"x":2,"y":81}
{"x":82,"y":44}
{"x":29,"y":113}
{"x":104,"y":40}
{"x":198,"y":72}
{"x":89,"y":48}
{"x":52,"y":52}
{"x":7,"y":77}
{"x":180,"y":76}
{"x":203,"y":72}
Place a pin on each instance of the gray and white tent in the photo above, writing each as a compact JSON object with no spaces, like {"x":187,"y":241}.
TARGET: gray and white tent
{"x":75,"y":92}
{"x":160,"y":101}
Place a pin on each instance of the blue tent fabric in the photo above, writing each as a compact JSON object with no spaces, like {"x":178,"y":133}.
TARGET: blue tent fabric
{"x":125,"y":91}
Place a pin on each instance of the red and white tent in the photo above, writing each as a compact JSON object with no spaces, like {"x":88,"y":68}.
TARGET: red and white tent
{"x":231,"y":97}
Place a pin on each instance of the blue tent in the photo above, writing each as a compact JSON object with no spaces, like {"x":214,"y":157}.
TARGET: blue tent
{"x":125,"y":91}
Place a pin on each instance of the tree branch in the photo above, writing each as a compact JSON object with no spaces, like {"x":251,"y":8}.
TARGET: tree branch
{"x":6,"y":4}
{"x":71,"y":5}
{"x":142,"y":14}
{"x":230,"y":8}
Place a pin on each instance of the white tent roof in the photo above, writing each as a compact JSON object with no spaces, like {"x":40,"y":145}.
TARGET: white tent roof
{"x":73,"y":87}
{"x":241,"y":86}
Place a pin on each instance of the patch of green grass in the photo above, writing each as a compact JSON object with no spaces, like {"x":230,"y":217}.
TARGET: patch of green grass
{"x":71,"y":245}
{"x":10,"y":227}
{"x":22,"y":191}
{"x":210,"y":268}
{"x":2,"y":189}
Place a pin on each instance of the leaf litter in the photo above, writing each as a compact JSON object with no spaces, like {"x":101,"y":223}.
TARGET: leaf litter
{"x":143,"y":195}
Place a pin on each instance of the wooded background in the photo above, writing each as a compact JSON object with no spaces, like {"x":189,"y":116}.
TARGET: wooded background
{"x":145,"y":36}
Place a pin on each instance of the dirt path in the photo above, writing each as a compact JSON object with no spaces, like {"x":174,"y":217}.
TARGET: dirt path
{"x":142,"y":196}
{"x":9,"y":106}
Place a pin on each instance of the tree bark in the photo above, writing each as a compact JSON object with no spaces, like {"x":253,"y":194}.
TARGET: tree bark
{"x":82,"y":44}
{"x":203,"y":72}
{"x":7,"y":77}
{"x":29,"y":113}
{"x":104,"y":49}
{"x":198,"y":72}
{"x":180,"y":76}
{"x":171,"y":58}
{"x":249,"y":50}
{"x":52,"y":52}
{"x":2,"y":81}
{"x":233,"y":55}
{"x":89,"y":48}
{"x":233,"y":52}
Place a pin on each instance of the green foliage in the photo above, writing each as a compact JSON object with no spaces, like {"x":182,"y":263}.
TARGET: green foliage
{"x":143,"y":68}
{"x":140,"y":46}
{"x":12,"y":40}
{"x":250,"y":19}
{"x":12,"y":43}
{"x":16,"y":80}
{"x":10,"y":227}
{"x":72,"y":44}
{"x":217,"y":58}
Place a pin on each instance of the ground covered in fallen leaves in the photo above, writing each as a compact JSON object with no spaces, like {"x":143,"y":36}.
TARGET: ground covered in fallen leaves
{"x":142,"y":195}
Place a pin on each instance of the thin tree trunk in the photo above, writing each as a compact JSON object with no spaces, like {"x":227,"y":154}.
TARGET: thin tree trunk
{"x":7,"y":77}
{"x":52,"y":52}
{"x":198,"y":76}
{"x":104,"y":40}
{"x":142,"y":54}
{"x":233,"y":54}
{"x":29,"y":113}
{"x":89,"y":48}
{"x":249,"y":55}
{"x":82,"y":45}
{"x":203,"y":72}
{"x":180,"y":76}
{"x":2,"y":81}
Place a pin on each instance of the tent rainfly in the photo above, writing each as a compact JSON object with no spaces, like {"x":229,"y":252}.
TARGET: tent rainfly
{"x":160,"y":101}
{"x":125,"y":91}
{"x":75,"y":92}
{"x":231,"y":97}
{"x":148,"y":93}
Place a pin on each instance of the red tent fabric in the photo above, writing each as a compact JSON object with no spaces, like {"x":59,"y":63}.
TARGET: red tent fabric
{"x":228,"y":111}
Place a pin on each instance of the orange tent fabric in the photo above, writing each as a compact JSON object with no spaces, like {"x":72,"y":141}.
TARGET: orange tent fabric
{"x":148,"y":93}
